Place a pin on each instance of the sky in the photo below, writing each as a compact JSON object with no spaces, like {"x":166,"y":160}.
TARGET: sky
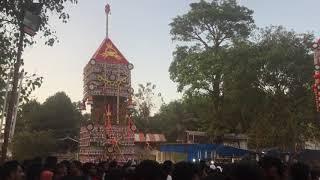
{"x":140,"y":29}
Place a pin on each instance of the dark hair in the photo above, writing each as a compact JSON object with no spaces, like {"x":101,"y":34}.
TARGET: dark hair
{"x":113,"y":164}
{"x":167,"y":167}
{"x":34,"y":170}
{"x":245,"y":171}
{"x":87,"y":166}
{"x":77,"y":164}
{"x":115,"y":174}
{"x":50,"y":163}
{"x":149,"y":170}
{"x":300,"y":171}
{"x":184,"y":171}
{"x":267,"y":162}
{"x":66,"y":163}
{"x":7,"y":168}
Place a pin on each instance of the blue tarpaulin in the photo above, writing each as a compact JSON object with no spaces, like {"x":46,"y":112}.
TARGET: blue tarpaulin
{"x":200,"y":151}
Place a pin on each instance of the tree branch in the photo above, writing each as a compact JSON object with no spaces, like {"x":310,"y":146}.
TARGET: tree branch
{"x":197,"y":37}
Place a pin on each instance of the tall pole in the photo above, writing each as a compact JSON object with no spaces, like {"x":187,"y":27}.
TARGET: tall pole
{"x":4,"y":109}
{"x":13,"y":96}
{"x":15,"y":111}
{"x":107,"y":10}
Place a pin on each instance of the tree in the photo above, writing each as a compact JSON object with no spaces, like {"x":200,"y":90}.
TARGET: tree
{"x":145,"y":100}
{"x":56,"y":118}
{"x":57,"y":114}
{"x":12,"y":15}
{"x":174,"y":119}
{"x":208,"y":30}
{"x":285,"y":79}
{"x":30,"y":144}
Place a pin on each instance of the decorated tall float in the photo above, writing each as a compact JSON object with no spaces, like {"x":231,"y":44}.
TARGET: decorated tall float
{"x":316,"y":86}
{"x":108,"y":92}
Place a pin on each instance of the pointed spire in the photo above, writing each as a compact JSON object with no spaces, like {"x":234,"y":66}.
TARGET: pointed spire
{"x":107,"y":9}
{"x":109,"y":53}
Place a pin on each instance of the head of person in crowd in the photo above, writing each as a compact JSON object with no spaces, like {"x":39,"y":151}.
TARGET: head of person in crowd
{"x":203,"y":168}
{"x":149,"y":170}
{"x":11,"y":170}
{"x":129,"y":173}
{"x":67,"y":164}
{"x":50,"y":163}
{"x":273,"y":168}
{"x":167,"y":167}
{"x":215,"y":175}
{"x":300,"y":171}
{"x":89,"y":169}
{"x":75,"y":168}
{"x":116,"y":174}
{"x":315,"y":173}
{"x":60,"y":171}
{"x":185,"y":171}
{"x":33,"y":171}
{"x":245,"y":171}
{"x":113,"y":164}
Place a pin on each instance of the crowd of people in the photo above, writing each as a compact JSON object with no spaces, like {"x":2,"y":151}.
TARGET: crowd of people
{"x":268,"y":168}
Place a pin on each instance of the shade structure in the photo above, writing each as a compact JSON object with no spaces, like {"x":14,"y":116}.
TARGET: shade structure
{"x":197,"y":151}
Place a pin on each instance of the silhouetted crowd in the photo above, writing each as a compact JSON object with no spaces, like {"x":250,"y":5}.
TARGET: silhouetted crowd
{"x":268,"y":168}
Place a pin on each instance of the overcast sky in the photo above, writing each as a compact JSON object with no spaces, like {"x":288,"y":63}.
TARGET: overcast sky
{"x":139,"y":28}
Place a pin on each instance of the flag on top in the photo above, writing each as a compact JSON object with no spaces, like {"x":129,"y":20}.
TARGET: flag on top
{"x":107,"y":9}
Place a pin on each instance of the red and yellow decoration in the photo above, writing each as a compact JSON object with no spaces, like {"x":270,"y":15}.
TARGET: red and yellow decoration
{"x":109,"y":53}
{"x":316,"y":76}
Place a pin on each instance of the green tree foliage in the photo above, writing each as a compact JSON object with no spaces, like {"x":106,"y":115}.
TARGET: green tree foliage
{"x":285,"y":79}
{"x":11,"y":18}
{"x":207,"y":31}
{"x":56,"y":118}
{"x":174,"y":119}
{"x":30,"y":144}
{"x":146,"y":99}
{"x":57,"y":114}
{"x":241,"y":81}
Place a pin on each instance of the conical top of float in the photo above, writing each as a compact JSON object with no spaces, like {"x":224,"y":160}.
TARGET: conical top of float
{"x":109,"y":53}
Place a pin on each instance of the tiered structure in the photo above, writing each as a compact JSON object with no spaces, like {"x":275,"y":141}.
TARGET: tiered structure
{"x":316,"y":86}
{"x":107,"y":89}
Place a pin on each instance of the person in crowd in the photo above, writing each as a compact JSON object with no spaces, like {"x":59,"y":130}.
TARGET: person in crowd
{"x":75,"y":171}
{"x":116,"y":174}
{"x":244,"y":171}
{"x":67,"y":164}
{"x":185,"y":171}
{"x":49,"y":167}
{"x":11,"y":170}
{"x":102,"y":169}
{"x":149,"y":170}
{"x":203,"y":168}
{"x":300,"y":171}
{"x":60,"y":172}
{"x":90,"y":171}
{"x":168,"y":168}
{"x":129,"y":173}
{"x":273,"y":168}
{"x":315,"y":174}
{"x":34,"y":170}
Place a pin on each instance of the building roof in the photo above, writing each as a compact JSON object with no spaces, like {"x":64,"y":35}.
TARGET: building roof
{"x":196,"y":133}
{"x":68,"y":138}
{"x":152,"y":138}
{"x":109,"y":53}
{"x":235,"y":136}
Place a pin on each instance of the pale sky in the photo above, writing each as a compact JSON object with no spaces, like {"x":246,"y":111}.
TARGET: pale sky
{"x":140,"y":30}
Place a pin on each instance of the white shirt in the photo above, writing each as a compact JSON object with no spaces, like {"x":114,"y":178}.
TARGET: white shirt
{"x":169,"y":177}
